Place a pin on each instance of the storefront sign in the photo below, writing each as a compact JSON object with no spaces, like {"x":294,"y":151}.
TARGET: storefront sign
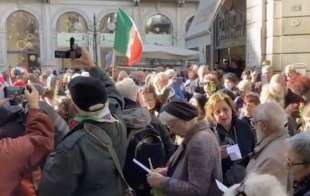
{"x":63,"y":39}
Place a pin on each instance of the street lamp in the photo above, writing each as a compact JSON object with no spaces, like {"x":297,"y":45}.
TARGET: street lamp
{"x":95,"y":40}
{"x":94,"y":31}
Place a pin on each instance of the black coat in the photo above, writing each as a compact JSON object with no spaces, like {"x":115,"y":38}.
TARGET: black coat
{"x":241,"y":134}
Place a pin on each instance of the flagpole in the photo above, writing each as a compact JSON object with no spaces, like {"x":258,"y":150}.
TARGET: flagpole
{"x":113,"y":63}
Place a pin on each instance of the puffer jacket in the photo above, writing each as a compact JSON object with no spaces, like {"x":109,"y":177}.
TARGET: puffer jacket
{"x":20,"y":155}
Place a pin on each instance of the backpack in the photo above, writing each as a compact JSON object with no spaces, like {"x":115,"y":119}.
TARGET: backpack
{"x":143,"y":144}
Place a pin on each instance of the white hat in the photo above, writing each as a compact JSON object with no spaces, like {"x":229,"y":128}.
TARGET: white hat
{"x":128,"y":88}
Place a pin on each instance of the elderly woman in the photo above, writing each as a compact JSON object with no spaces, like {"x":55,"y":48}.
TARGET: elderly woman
{"x":230,"y":130}
{"x":299,"y":162}
{"x":257,"y":185}
{"x":193,"y":168}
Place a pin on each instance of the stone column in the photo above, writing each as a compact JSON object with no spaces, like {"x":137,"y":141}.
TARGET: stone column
{"x":3,"y":55}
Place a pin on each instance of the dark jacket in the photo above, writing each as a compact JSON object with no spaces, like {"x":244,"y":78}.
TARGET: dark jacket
{"x":137,"y":117}
{"x":115,"y":99}
{"x":81,"y":167}
{"x":241,"y":134}
{"x":195,"y":166}
{"x":303,"y":188}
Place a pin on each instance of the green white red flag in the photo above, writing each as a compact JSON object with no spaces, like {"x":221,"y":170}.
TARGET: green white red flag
{"x":128,"y":41}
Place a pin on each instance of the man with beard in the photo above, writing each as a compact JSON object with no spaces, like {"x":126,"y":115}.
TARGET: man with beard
{"x":270,"y":122}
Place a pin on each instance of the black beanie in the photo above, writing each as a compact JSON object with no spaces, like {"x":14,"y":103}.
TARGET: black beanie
{"x":181,"y":110}
{"x":87,"y":92}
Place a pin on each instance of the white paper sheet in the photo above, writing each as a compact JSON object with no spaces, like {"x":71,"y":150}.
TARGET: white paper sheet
{"x":234,"y":152}
{"x":141,"y":165}
{"x":221,"y":186}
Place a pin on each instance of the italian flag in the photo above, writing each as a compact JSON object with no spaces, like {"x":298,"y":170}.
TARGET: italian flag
{"x":128,"y":41}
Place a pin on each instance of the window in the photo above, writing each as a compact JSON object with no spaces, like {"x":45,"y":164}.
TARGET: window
{"x":108,"y":23}
{"x":158,"y":24}
{"x":71,"y":22}
{"x":23,"y":43}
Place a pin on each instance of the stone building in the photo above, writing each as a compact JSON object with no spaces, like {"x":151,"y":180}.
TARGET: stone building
{"x":273,"y":30}
{"x":31,"y":30}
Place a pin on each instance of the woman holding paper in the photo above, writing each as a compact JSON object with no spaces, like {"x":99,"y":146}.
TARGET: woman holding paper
{"x":235,"y":137}
{"x":194,"y":167}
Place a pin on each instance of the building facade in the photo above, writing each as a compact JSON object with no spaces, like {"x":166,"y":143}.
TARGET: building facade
{"x":254,"y":30}
{"x":31,"y":30}
{"x":278,"y":31}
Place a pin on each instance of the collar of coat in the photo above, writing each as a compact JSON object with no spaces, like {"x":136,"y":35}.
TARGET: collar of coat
{"x":267,"y":141}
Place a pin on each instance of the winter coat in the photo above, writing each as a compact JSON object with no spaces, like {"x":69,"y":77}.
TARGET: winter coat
{"x":20,"y":155}
{"x":241,"y":134}
{"x":269,"y":158}
{"x":81,"y":167}
{"x":195,"y":166}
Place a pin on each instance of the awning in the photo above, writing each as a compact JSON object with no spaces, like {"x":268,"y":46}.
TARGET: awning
{"x":204,"y":18}
{"x":168,"y":53}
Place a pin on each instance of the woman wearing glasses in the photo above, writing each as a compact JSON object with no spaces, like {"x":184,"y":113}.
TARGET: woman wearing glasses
{"x":299,"y":163}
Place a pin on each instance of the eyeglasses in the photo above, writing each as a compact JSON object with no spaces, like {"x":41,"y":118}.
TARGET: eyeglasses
{"x":291,"y":164}
{"x":254,"y":122}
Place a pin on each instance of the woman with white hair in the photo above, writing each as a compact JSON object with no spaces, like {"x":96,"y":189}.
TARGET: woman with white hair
{"x":257,"y":185}
{"x":298,"y":158}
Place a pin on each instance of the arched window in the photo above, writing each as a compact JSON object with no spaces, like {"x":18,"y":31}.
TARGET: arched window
{"x":107,"y":24}
{"x":189,"y":23}
{"x":71,"y":22}
{"x":158,"y":24}
{"x":23,"y":41}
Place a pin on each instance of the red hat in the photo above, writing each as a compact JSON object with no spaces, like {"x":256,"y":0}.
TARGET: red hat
{"x":19,"y":83}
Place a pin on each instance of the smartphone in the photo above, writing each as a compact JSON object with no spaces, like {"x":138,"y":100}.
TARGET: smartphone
{"x":11,"y":92}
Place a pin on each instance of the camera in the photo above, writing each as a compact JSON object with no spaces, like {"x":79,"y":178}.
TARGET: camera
{"x":73,"y":53}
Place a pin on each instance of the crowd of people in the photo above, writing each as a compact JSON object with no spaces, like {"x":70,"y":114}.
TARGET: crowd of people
{"x":186,"y":132}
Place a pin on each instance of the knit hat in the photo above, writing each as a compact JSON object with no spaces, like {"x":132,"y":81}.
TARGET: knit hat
{"x":88,"y":93}
{"x":178,"y":110}
{"x":128,"y":88}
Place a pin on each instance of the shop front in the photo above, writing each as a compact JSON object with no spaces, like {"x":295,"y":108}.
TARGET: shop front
{"x":230,"y":32}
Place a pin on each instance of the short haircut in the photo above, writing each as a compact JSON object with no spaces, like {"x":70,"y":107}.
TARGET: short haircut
{"x":257,"y":185}
{"x":300,"y":144}
{"x":214,"y":100}
{"x":252,"y":98}
{"x":267,"y":111}
{"x":231,"y":77}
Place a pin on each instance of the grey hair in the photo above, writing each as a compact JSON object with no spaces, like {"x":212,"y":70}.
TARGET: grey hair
{"x":259,"y":185}
{"x":274,"y":114}
{"x":300,"y":143}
